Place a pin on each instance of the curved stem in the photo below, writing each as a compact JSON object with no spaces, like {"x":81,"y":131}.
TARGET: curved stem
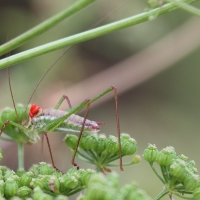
{"x":153,"y":168}
{"x":87,"y":35}
{"x":20,"y":147}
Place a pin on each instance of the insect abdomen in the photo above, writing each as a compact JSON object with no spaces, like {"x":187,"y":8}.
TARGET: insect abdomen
{"x":72,"y":124}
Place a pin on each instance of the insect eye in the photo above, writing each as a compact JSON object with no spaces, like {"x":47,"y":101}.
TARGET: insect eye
{"x":34,"y":110}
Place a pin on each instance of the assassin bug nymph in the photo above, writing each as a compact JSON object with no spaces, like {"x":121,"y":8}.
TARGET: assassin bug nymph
{"x":48,"y":120}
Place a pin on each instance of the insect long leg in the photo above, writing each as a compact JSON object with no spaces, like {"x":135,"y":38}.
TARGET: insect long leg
{"x":22,"y":128}
{"x":114,"y":89}
{"x":4,"y":126}
{"x":64,"y":97}
{"x":80,"y":134}
{"x":50,"y":152}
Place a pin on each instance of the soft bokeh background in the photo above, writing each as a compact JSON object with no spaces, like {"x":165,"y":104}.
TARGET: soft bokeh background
{"x":154,"y":65}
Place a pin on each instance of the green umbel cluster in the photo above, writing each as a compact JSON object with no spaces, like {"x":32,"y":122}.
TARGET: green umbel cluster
{"x":102,"y":151}
{"x":42,"y":182}
{"x":101,"y":187}
{"x":179,"y":176}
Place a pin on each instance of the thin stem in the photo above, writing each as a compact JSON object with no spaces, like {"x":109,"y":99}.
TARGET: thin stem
{"x":164,"y":173}
{"x":44,"y":26}
{"x":87,"y":35}
{"x":20,"y":148}
{"x":186,"y":7}
{"x":162,"y":194}
{"x":153,"y":168}
{"x":182,"y":197}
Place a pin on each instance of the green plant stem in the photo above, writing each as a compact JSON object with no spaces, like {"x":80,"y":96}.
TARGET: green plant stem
{"x":44,"y":26}
{"x":162,"y":194}
{"x":20,"y":147}
{"x":87,"y":35}
{"x":164,"y":173}
{"x":186,"y":7}
{"x":182,"y":197}
{"x":153,"y":168}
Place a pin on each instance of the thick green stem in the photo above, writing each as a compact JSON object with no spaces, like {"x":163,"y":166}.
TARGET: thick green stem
{"x":44,"y":26}
{"x":20,"y":147}
{"x":87,"y":35}
{"x":162,"y":194}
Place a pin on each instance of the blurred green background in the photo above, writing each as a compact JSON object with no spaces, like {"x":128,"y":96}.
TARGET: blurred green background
{"x":154,"y":65}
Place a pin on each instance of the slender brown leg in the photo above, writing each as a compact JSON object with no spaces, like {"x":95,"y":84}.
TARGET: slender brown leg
{"x":51,"y":155}
{"x":118,"y":125}
{"x":80,"y":134}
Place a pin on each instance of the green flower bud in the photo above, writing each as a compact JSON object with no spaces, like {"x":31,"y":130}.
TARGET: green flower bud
{"x":136,"y":159}
{"x":191,"y":168}
{"x":182,"y":157}
{"x":165,"y":157}
{"x":9,"y":174}
{"x":178,"y":169}
{"x":138,"y":194}
{"x":196,"y":193}
{"x":69,"y":181}
{"x":37,"y":182}
{"x":1,"y":187}
{"x":51,"y":183}
{"x":10,"y":188}
{"x":191,"y":182}
{"x":129,"y":146}
{"x":71,"y":141}
{"x":24,"y":191}
{"x":72,"y":170}
{"x":88,"y":141}
{"x":124,"y":136}
{"x":99,"y":188}
{"x":45,"y":169}
{"x":56,"y":173}
{"x":54,"y":184}
{"x":86,"y":175}
{"x":4,"y":169}
{"x":150,"y":153}
{"x":112,"y":145}
{"x":101,"y":144}
{"x":20,"y":172}
{"x":25,"y":179}
{"x":34,"y":170}
{"x":113,"y":178}
{"x":126,"y":190}
{"x":40,"y":195}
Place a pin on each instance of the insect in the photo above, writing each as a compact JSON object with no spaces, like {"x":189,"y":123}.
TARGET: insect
{"x":42,"y":121}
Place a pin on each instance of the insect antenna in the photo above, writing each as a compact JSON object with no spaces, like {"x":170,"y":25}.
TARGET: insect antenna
{"x":12,"y":96}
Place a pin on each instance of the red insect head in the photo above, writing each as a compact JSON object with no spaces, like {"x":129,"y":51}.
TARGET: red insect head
{"x":34,"y":110}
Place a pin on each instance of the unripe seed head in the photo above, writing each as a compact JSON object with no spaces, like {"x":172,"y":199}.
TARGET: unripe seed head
{"x":150,"y":153}
{"x":165,"y":157}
